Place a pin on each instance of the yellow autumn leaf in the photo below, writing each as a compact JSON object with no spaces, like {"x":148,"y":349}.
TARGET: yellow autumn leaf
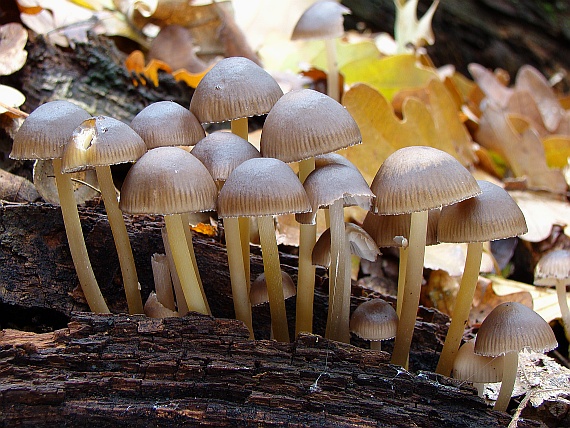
{"x":388,"y":75}
{"x":383,"y":132}
{"x":191,"y":79}
{"x":557,"y":150}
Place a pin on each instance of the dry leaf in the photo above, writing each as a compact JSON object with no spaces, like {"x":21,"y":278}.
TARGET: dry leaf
{"x":383,"y":132}
{"x":408,"y":30}
{"x":440,"y":291}
{"x":494,"y":90}
{"x":451,"y":258}
{"x":13,"y":38}
{"x":557,"y":150}
{"x":174,"y":45}
{"x":10,"y":97}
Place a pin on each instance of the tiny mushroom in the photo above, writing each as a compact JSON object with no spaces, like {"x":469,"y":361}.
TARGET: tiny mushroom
{"x":44,"y":135}
{"x":507,"y":330}
{"x":486,"y":217}
{"x":553,"y":269}
{"x":477,"y":369}
{"x":374,"y":320}
{"x":324,"y":20}
{"x":170,"y":181}
{"x":98,"y":143}
{"x":414,"y":180}
{"x":262,"y":188}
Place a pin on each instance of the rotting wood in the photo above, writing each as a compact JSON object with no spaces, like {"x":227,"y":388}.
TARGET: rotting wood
{"x":121,"y":370}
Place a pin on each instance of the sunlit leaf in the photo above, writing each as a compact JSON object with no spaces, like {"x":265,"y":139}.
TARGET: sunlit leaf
{"x":191,"y":79}
{"x":408,"y":30}
{"x":388,"y":75}
{"x":13,"y":38}
{"x":10,"y":97}
{"x":557,"y":150}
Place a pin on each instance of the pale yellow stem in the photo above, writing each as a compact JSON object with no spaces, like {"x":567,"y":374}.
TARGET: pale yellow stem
{"x":273,"y":278}
{"x":188,"y":233}
{"x":162,"y":281}
{"x":306,"y":272}
{"x":76,"y":241}
{"x":181,"y":305}
{"x":240,"y":292}
{"x":336,"y":330}
{"x":563,"y":303}
{"x":239,"y":127}
{"x":376,"y":345}
{"x":121,"y":238}
{"x":401,"y":278}
{"x":510,"y":367}
{"x":183,"y":262}
{"x":412,"y":288}
{"x":461,"y":308}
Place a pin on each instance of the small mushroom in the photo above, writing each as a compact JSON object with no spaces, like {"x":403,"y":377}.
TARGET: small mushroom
{"x":98,"y":143}
{"x":507,"y":330}
{"x":414,"y":180}
{"x":44,"y":135}
{"x":553,"y":269}
{"x":374,"y":320}
{"x":262,"y":188}
{"x":477,"y":369}
{"x":486,"y":217}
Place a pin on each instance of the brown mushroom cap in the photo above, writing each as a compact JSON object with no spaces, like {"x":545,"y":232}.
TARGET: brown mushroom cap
{"x":333,"y":182}
{"x":332,"y":158}
{"x":374,"y":319}
{"x":166,"y":123}
{"x":101,"y":141}
{"x":512,"y":327}
{"x":258,"y":294}
{"x":168,"y":180}
{"x":486,"y":217}
{"x":552,"y":267}
{"x":421,"y":178}
{"x":306,"y":123}
{"x":221,"y":152}
{"x":322,"y":20}
{"x":476,"y":368}
{"x":47,"y":130}
{"x":384,"y":228}
{"x":260,"y":187}
{"x":234,"y":88}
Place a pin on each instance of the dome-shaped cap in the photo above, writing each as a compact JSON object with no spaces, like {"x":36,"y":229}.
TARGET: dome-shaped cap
{"x":306,"y":123}
{"x":258,"y":294}
{"x":476,"y":368}
{"x":168,"y":180}
{"x":491,"y":215}
{"x":101,"y":141}
{"x":333,"y":182}
{"x":221,"y":152}
{"x":166,"y":123}
{"x":262,"y":186}
{"x":374,"y":319}
{"x":322,"y":20}
{"x":332,"y":158}
{"x":384,"y":228}
{"x":361,"y":245}
{"x":512,"y":327}
{"x":47,"y":130}
{"x":421,"y":178}
{"x":234,"y":88}
{"x":552,"y":267}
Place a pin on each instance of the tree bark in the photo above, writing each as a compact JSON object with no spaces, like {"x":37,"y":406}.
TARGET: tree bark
{"x":121,"y":370}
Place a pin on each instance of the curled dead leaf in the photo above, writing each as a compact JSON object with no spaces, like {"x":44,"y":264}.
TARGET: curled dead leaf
{"x":13,"y":38}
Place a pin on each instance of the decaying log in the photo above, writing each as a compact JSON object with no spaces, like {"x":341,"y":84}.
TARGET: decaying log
{"x":119,"y":370}
{"x":39,"y":289}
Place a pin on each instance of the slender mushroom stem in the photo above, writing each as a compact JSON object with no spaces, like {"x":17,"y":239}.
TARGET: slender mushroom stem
{"x":181,"y":305}
{"x":184,"y":266}
{"x":121,"y":237}
{"x":272,"y":269}
{"x":162,"y":281}
{"x":240,"y":292}
{"x":240,"y":128}
{"x":306,"y":273}
{"x":461,"y":308}
{"x":76,"y":241}
{"x":510,"y":367}
{"x":401,"y":278}
{"x":376,"y":345}
{"x":188,"y":234}
{"x":412,"y":287}
{"x":336,"y":330}
{"x":563,"y":303}
{"x":332,"y":69}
